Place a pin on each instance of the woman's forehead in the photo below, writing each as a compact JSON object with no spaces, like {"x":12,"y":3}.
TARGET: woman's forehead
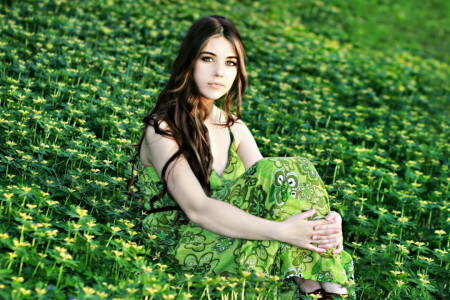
{"x":220,"y":46}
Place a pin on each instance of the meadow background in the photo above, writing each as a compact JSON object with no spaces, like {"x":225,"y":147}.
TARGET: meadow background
{"x":362,"y":88}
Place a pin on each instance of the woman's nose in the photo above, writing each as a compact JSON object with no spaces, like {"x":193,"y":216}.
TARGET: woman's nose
{"x":219,"y":70}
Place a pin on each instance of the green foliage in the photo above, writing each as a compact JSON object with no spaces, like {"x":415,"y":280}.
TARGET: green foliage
{"x":76,"y":78}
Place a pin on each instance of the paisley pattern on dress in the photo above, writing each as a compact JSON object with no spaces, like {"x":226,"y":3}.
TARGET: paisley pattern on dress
{"x":274,"y":189}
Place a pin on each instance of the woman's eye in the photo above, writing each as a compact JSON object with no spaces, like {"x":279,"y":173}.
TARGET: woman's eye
{"x":206,"y":58}
{"x":231,"y":63}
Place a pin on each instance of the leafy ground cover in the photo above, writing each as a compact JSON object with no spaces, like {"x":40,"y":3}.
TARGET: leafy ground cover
{"x":76,"y":78}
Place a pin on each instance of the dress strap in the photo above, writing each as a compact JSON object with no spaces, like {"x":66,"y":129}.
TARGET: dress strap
{"x":231,"y":135}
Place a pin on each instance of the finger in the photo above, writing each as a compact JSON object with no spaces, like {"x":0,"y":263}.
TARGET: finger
{"x":327,"y":226}
{"x":333,"y":237}
{"x":322,"y":223}
{"x":327,"y":232}
{"x":326,"y":244}
{"x":331,"y":215}
{"x":308,"y":214}
{"x":338,"y":249}
{"x":313,"y":248}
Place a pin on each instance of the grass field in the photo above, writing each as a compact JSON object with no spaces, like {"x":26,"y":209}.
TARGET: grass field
{"x":361,"y":90}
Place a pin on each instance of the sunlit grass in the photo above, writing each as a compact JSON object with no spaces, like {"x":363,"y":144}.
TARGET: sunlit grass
{"x":76,"y":80}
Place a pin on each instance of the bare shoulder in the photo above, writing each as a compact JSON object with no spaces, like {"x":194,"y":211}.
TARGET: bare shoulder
{"x":247,"y":148}
{"x":157,"y":148}
{"x":150,"y":134}
{"x":240,"y":131}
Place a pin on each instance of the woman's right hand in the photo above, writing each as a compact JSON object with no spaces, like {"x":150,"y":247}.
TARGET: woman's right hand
{"x":298,"y":231}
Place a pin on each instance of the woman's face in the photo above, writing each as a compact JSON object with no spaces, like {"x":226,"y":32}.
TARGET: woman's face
{"x":216,"y":68}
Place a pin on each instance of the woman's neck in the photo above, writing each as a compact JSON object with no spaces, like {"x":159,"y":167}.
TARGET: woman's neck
{"x":215,"y":116}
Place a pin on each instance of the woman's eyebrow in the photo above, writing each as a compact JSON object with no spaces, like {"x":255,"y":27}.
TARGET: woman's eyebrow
{"x":212,"y":54}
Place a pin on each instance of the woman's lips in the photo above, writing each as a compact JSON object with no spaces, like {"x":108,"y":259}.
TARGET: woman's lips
{"x":216,"y":85}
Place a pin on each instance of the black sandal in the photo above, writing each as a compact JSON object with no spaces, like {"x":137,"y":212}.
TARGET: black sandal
{"x":320,"y":292}
{"x":331,"y":296}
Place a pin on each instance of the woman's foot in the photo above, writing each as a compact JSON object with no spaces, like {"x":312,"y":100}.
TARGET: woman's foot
{"x":333,"y":291}
{"x":309,"y":287}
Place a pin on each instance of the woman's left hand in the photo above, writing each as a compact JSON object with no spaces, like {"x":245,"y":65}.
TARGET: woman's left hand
{"x":326,"y":235}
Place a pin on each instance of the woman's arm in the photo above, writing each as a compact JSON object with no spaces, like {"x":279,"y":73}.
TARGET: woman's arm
{"x":248,"y":151}
{"x":221,"y":217}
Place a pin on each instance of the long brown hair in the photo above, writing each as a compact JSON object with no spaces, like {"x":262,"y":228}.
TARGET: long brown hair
{"x":179,"y":105}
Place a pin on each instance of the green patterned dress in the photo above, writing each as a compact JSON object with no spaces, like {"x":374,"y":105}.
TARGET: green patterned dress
{"x":274,"y":189}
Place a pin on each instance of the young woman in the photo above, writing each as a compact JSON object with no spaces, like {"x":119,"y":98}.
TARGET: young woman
{"x":217,"y":206}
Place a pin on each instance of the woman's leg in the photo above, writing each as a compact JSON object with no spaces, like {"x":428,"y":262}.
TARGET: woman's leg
{"x":307,"y":286}
{"x":334,"y":288}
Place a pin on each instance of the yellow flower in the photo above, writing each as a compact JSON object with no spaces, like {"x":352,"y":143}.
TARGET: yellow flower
{"x":400,"y":282}
{"x":162,"y":267}
{"x":157,"y":254}
{"x":26,"y":189}
{"x":8,"y":196}
{"x":275,"y":277}
{"x":383,"y":210}
{"x":424,"y":281}
{"x":69,"y":240}
{"x":102,"y":294}
{"x":423,"y":202}
{"x":24,"y":291}
{"x":40,"y":291}
{"x":350,"y":283}
{"x":441,"y":251}
{"x":397,"y":272}
{"x":25,"y":216}
{"x":17,"y":279}
{"x":81,"y":212}
{"x":88,"y":290}
{"x":428,"y":260}
{"x":66,"y":256}
{"x":151,"y":290}
{"x":440,"y":232}
{"x":115,"y":229}
{"x":362,"y":217}
{"x":403,"y":219}
{"x":90,"y":224}
{"x":146,"y":269}
{"x":89,"y":237}
{"x":131,"y":291}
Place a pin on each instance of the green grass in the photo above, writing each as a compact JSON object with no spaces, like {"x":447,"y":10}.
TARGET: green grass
{"x":367,"y":104}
